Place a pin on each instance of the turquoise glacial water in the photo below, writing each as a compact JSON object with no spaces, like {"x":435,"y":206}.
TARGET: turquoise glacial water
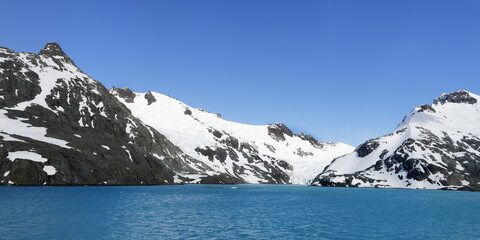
{"x":236,"y":212}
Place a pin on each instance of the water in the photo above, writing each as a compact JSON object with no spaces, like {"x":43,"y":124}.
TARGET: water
{"x":245,"y":212}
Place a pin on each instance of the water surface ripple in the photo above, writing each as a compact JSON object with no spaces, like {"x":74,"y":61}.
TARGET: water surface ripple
{"x":241,"y":212}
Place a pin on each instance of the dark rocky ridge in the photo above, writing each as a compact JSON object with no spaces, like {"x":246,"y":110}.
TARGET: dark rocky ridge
{"x":16,"y":86}
{"x":125,"y":93}
{"x":278,"y":131}
{"x":52,"y":49}
{"x":284,"y":129}
{"x":312,"y":140}
{"x":426,"y":108}
{"x":366,"y":148}
{"x":455,"y":97}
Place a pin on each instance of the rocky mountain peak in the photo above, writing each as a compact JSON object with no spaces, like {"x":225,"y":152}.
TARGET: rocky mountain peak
{"x":311,"y":139}
{"x":455,"y":97}
{"x":284,"y":129}
{"x":124,"y":93}
{"x":52,"y":49}
{"x":277,"y":131}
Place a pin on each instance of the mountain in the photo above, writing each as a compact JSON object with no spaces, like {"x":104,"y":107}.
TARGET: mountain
{"x":58,"y":126}
{"x":435,"y":147}
{"x":256,"y":154}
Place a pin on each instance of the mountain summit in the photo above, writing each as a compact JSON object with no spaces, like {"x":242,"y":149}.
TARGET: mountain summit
{"x":52,"y":49}
{"x":55,"y":52}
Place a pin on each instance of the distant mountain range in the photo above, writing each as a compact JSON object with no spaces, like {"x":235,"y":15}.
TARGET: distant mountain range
{"x":58,"y":126}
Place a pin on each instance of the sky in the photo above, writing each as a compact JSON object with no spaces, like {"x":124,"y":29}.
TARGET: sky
{"x":342,"y":71}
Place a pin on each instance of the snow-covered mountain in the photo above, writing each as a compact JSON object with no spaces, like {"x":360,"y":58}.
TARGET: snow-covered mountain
{"x":58,"y":126}
{"x":256,"y":154}
{"x":435,"y":147}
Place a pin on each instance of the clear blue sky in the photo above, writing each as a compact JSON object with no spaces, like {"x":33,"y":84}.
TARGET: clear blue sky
{"x":339,"y":70}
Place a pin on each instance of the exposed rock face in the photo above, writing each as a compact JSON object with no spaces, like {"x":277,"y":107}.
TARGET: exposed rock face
{"x":435,"y":147}
{"x":55,"y":52}
{"x":52,"y":49}
{"x":426,"y":107}
{"x":125,"y":93}
{"x":455,"y":97}
{"x":150,"y":98}
{"x":284,"y":129}
{"x":276,"y":133}
{"x":313,"y":141}
{"x":366,"y":148}
{"x":16,"y":86}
